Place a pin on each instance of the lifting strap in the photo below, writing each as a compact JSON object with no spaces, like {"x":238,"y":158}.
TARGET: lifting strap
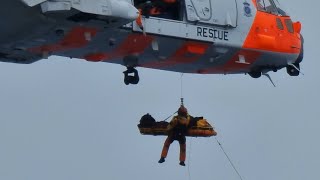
{"x":170,"y":116}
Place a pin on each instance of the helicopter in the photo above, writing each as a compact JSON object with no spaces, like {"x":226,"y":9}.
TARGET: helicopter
{"x":250,"y":37}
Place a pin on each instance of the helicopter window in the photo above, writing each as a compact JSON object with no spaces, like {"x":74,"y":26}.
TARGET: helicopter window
{"x":289,"y":25}
{"x":279,"y":8}
{"x":200,"y":8}
{"x":279,"y":24}
{"x":267,"y":6}
{"x":167,"y":9}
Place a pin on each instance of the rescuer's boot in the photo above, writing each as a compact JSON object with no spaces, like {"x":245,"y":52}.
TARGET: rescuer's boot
{"x":162,"y":160}
{"x":182,"y":163}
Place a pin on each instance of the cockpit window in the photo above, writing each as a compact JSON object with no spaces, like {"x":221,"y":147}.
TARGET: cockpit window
{"x":270,"y":6}
{"x":289,"y":25}
{"x":279,"y":24}
{"x":281,"y":11}
{"x":267,"y":6}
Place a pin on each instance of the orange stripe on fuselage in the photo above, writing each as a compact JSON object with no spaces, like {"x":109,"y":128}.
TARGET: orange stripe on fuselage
{"x":233,"y":65}
{"x":134,"y":44}
{"x":189,"y":52}
{"x":265,"y":35}
{"x":78,"y":37}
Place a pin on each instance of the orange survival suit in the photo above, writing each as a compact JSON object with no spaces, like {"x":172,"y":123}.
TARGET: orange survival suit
{"x":177,"y":129}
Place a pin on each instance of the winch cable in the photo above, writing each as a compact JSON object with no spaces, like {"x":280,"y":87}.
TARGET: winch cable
{"x":190,"y":143}
{"x":189,"y":154}
{"x":181,"y":96}
{"x":181,"y":88}
{"x":189,"y":159}
{"x":225,"y":153}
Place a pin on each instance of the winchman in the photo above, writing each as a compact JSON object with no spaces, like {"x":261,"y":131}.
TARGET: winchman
{"x":159,"y":8}
{"x":177,"y":129}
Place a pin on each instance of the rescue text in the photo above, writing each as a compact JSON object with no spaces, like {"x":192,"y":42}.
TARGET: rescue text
{"x":212,"y":33}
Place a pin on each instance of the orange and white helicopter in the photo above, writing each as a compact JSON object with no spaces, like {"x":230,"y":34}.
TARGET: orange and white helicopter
{"x":189,"y":36}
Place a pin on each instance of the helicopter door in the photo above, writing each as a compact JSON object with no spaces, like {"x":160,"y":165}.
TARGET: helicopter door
{"x":159,"y":19}
{"x":177,"y":21}
{"x":217,"y":12}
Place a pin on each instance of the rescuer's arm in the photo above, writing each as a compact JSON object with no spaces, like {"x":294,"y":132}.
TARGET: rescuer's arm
{"x":172,"y":123}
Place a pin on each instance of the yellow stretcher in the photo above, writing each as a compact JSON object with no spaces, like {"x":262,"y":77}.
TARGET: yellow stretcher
{"x":199,"y":127}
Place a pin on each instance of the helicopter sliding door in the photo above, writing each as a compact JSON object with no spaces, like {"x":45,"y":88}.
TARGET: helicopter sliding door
{"x":217,"y":12}
{"x":162,"y":19}
{"x":188,"y":19}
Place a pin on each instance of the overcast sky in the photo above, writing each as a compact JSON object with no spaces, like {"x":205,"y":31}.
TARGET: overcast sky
{"x":63,"y":119}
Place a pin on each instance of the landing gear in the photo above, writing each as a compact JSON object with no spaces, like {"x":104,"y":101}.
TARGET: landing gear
{"x":255,"y":74}
{"x":131,"y":76}
{"x":293,"y":70}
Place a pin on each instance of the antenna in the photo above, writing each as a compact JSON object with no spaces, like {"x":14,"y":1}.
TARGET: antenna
{"x":269,"y":77}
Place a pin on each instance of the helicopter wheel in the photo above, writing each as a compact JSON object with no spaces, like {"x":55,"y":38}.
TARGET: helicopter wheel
{"x":292,"y":71}
{"x":131,"y":76}
{"x":255,"y":74}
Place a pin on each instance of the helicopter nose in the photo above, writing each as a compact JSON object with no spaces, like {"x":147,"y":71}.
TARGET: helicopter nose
{"x":301,"y":55}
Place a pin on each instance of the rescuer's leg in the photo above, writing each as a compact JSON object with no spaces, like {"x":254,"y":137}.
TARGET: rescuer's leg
{"x":182,"y":142}
{"x":165,"y":149}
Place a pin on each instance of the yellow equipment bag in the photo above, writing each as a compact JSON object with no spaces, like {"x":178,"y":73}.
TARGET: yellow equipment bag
{"x":198,"y":127}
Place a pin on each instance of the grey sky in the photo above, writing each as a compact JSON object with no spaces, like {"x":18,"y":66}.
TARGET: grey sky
{"x":64,"y":119}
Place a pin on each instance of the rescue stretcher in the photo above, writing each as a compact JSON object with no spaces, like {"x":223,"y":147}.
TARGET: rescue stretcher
{"x":198,"y":127}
